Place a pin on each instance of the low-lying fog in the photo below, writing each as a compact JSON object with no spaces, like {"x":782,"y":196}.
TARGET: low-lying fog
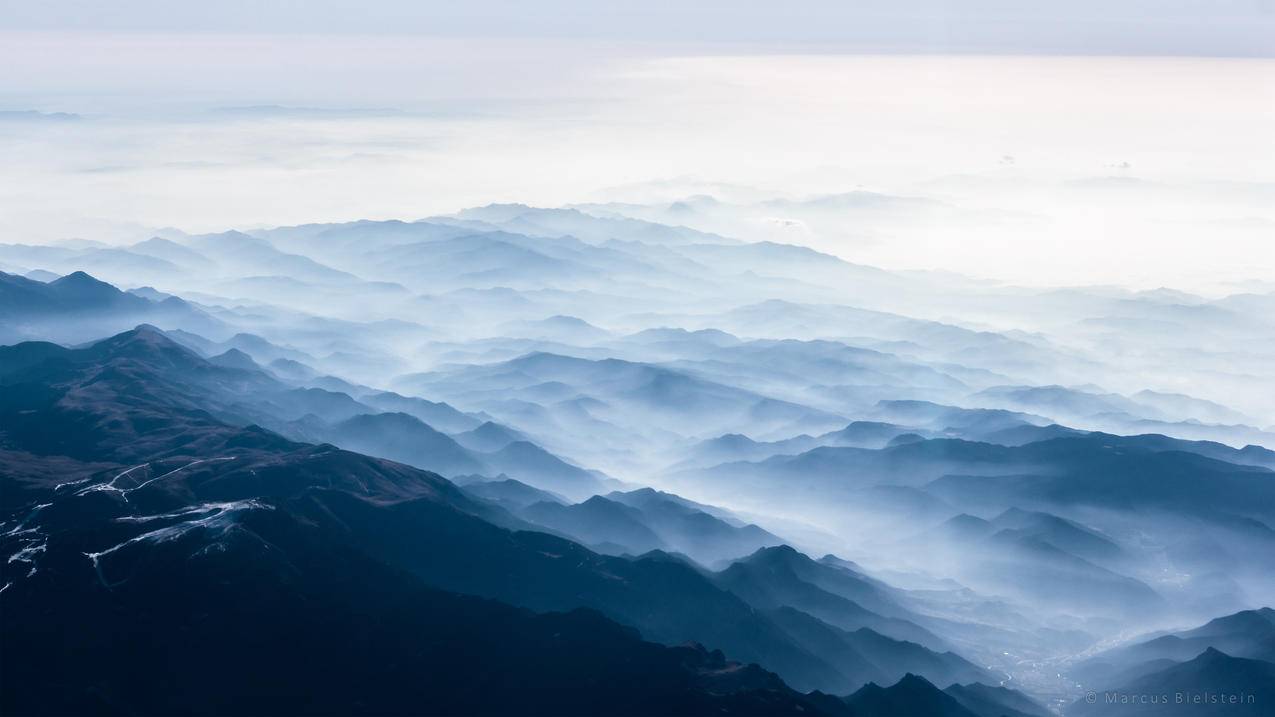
{"x":1140,"y":172}
{"x":999,"y":330}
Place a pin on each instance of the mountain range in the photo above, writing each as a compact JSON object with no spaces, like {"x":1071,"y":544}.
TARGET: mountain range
{"x":614,"y":460}
{"x":133,"y":512}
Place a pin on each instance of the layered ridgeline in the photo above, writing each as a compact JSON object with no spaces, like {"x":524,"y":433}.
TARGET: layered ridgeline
{"x":762,"y":450}
{"x":175,"y":540}
{"x":1226,"y":665}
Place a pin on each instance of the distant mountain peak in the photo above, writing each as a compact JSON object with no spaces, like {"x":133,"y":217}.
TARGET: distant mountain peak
{"x":83,"y":284}
{"x":78,"y":277}
{"x":785,"y":554}
{"x":234,"y":358}
{"x":913,"y":681}
{"x":912,"y":696}
{"x":148,"y":343}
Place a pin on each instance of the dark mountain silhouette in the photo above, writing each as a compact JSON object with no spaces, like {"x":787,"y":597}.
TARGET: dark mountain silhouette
{"x":911,"y":695}
{"x":1249,"y":634}
{"x":782,"y":577}
{"x":111,"y":414}
{"x":1212,"y":683}
{"x":488,"y":437}
{"x":246,"y":607}
{"x":987,"y":701}
{"x":508,"y":493}
{"x":603,"y":524}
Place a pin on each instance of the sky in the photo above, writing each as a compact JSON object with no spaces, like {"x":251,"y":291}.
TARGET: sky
{"x":1120,"y":27}
{"x":1084,"y":142}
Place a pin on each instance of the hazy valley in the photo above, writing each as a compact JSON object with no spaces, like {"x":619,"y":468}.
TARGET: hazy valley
{"x":486,"y":459}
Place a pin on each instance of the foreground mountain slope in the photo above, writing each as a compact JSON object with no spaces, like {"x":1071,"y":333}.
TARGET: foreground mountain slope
{"x":1213,"y":683}
{"x":140,"y":443}
{"x":1249,"y":633}
{"x":78,"y":307}
{"x":61,"y":389}
{"x":213,"y":614}
{"x":911,"y":695}
{"x":995,"y":701}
